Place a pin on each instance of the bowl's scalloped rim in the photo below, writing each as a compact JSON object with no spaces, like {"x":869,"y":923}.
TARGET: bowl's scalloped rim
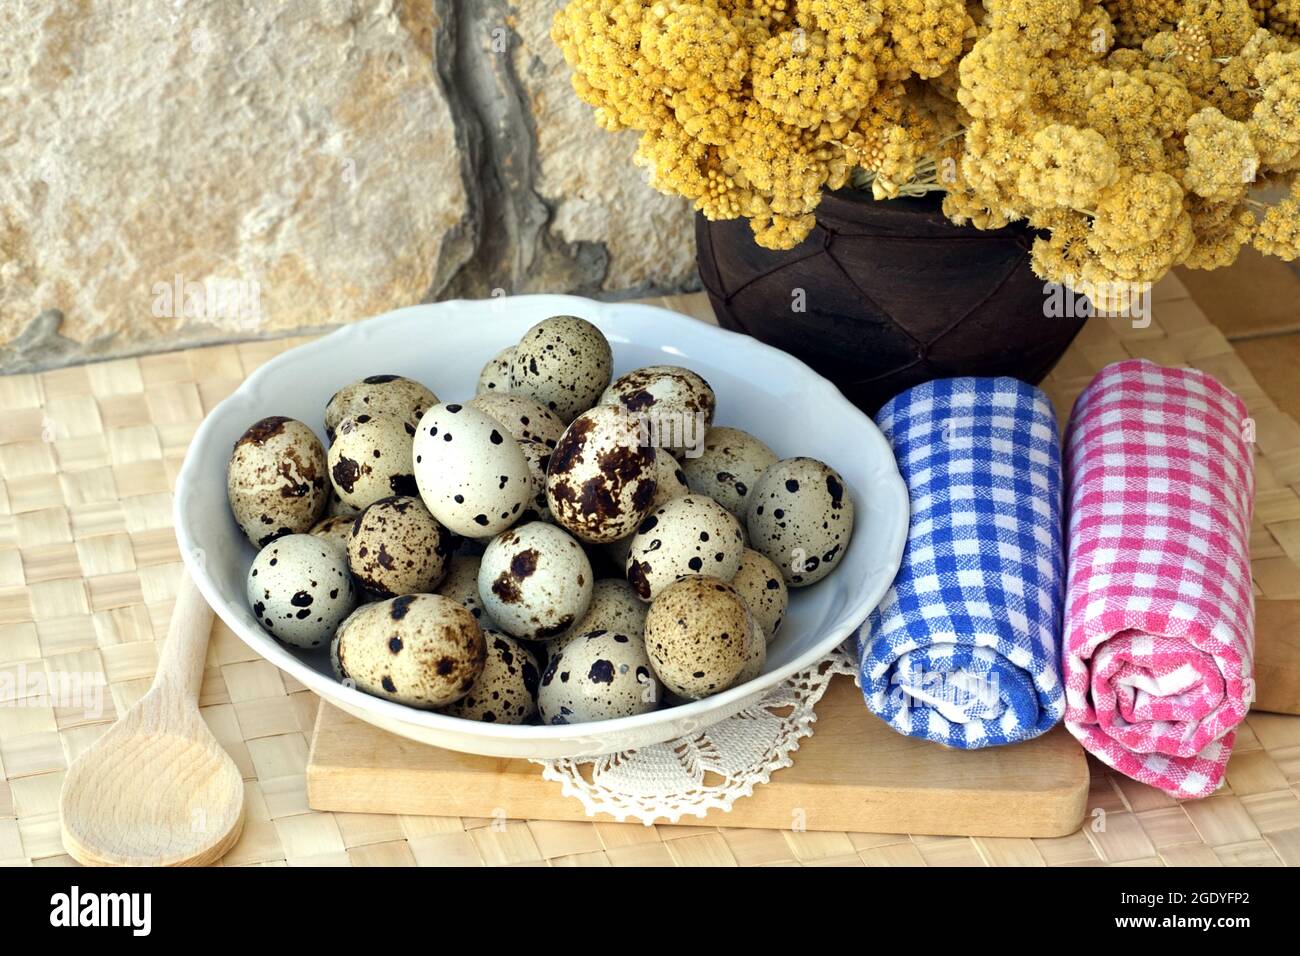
{"x":872,"y":591}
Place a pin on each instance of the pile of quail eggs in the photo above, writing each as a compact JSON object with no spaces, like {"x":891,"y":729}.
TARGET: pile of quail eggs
{"x":541,"y":552}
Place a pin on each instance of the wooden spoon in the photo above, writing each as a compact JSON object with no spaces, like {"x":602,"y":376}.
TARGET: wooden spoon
{"x":157,"y":789}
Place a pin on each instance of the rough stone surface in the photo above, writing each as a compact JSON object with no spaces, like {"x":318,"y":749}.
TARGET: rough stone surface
{"x":296,"y":166}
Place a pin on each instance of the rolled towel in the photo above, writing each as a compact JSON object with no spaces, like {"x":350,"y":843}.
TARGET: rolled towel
{"x":965,"y":647}
{"x":1159,"y":619}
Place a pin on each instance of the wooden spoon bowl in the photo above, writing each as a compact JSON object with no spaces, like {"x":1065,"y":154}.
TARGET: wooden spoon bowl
{"x":157,"y":789}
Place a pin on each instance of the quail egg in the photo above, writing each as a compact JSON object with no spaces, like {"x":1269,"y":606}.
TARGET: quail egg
{"x":601,"y":479}
{"x":461,"y":585}
{"x":801,"y":517}
{"x":300,"y":590}
{"x":370,"y":458}
{"x":539,"y":460}
{"x":495,"y":376}
{"x":760,"y":585}
{"x":700,"y":637}
{"x":397,"y":547}
{"x":472,"y":476}
{"x":535,"y":581}
{"x":729,"y":467}
{"x":614,"y":607}
{"x":391,"y":395}
{"x":757,"y":653}
{"x":676,"y":405}
{"x":599,"y":675}
{"x":276,"y":479}
{"x":506,"y":691}
{"x":337,"y":507}
{"x":670,"y":483}
{"x":689,"y":535}
{"x":424,"y":650}
{"x":522,"y":417}
{"x":336,"y":529}
{"x":563,"y":362}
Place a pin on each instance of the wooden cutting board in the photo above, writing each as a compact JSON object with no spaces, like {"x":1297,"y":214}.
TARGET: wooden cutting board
{"x":853,"y":774}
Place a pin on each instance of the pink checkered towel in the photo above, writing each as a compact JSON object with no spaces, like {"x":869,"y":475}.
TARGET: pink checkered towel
{"x":1159,"y":616}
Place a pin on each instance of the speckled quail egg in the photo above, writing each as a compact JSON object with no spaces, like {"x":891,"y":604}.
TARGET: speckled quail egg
{"x":276,"y":480}
{"x":397,"y":547}
{"x":599,"y":675}
{"x":495,"y":376}
{"x":729,"y":467}
{"x":393,"y":395}
{"x":336,"y":529}
{"x":614,"y":607}
{"x":670,"y":483}
{"x":472,"y":476}
{"x":801,"y":517}
{"x":424,"y":650}
{"x":300,"y":589}
{"x":539,"y":460}
{"x":535,"y":581}
{"x":676,"y":404}
{"x":563,"y":362}
{"x":689,"y":535}
{"x":700,"y":637}
{"x":522,"y":417}
{"x":757,"y":653}
{"x":760,"y":585}
{"x":461,"y":585}
{"x":506,"y":691}
{"x":601,"y":480}
{"x":370,"y":459}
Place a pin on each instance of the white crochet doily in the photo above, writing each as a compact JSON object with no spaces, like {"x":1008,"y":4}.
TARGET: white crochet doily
{"x":710,"y":770}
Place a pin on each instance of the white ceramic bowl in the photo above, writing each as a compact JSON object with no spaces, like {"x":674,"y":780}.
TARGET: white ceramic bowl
{"x":444,"y":345}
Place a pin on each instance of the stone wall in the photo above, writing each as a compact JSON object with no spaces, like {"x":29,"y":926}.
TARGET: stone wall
{"x":180,"y":173}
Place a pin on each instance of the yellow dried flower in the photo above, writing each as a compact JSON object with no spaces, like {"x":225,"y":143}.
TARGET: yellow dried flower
{"x":1221,"y":230}
{"x":1221,"y":160}
{"x":1139,"y":208}
{"x":1067,"y":166}
{"x":1275,"y":122}
{"x":928,"y":34}
{"x":687,"y":41}
{"x":807,"y":78}
{"x":1279,"y":231}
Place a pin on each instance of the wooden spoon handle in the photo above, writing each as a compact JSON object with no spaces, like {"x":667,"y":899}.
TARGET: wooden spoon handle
{"x":180,"y":668}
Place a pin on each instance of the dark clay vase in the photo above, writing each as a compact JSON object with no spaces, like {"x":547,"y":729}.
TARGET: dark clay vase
{"x":893,"y":294}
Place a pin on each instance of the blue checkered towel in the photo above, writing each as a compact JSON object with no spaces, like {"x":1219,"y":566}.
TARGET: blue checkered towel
{"x":965,"y":649}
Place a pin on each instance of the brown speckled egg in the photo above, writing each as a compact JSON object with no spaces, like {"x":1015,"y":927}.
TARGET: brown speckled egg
{"x":599,"y":675}
{"x":393,"y":395}
{"x":614,"y":607}
{"x":760,"y":585}
{"x":700,"y":636}
{"x":397,"y":547}
{"x":495,"y":376}
{"x":506,"y":691}
{"x":521,"y":416}
{"x":757,"y":653}
{"x":601,"y":480}
{"x":689,"y":535}
{"x":300,"y":589}
{"x":461,"y":585}
{"x":563,"y":362}
{"x":276,"y":480}
{"x":471,"y":474}
{"x":535,"y":581}
{"x":336,"y":529}
{"x":670,"y":483}
{"x":729,"y":467}
{"x":676,"y":404}
{"x":424,"y":650}
{"x":801,"y":517}
{"x":370,"y":459}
